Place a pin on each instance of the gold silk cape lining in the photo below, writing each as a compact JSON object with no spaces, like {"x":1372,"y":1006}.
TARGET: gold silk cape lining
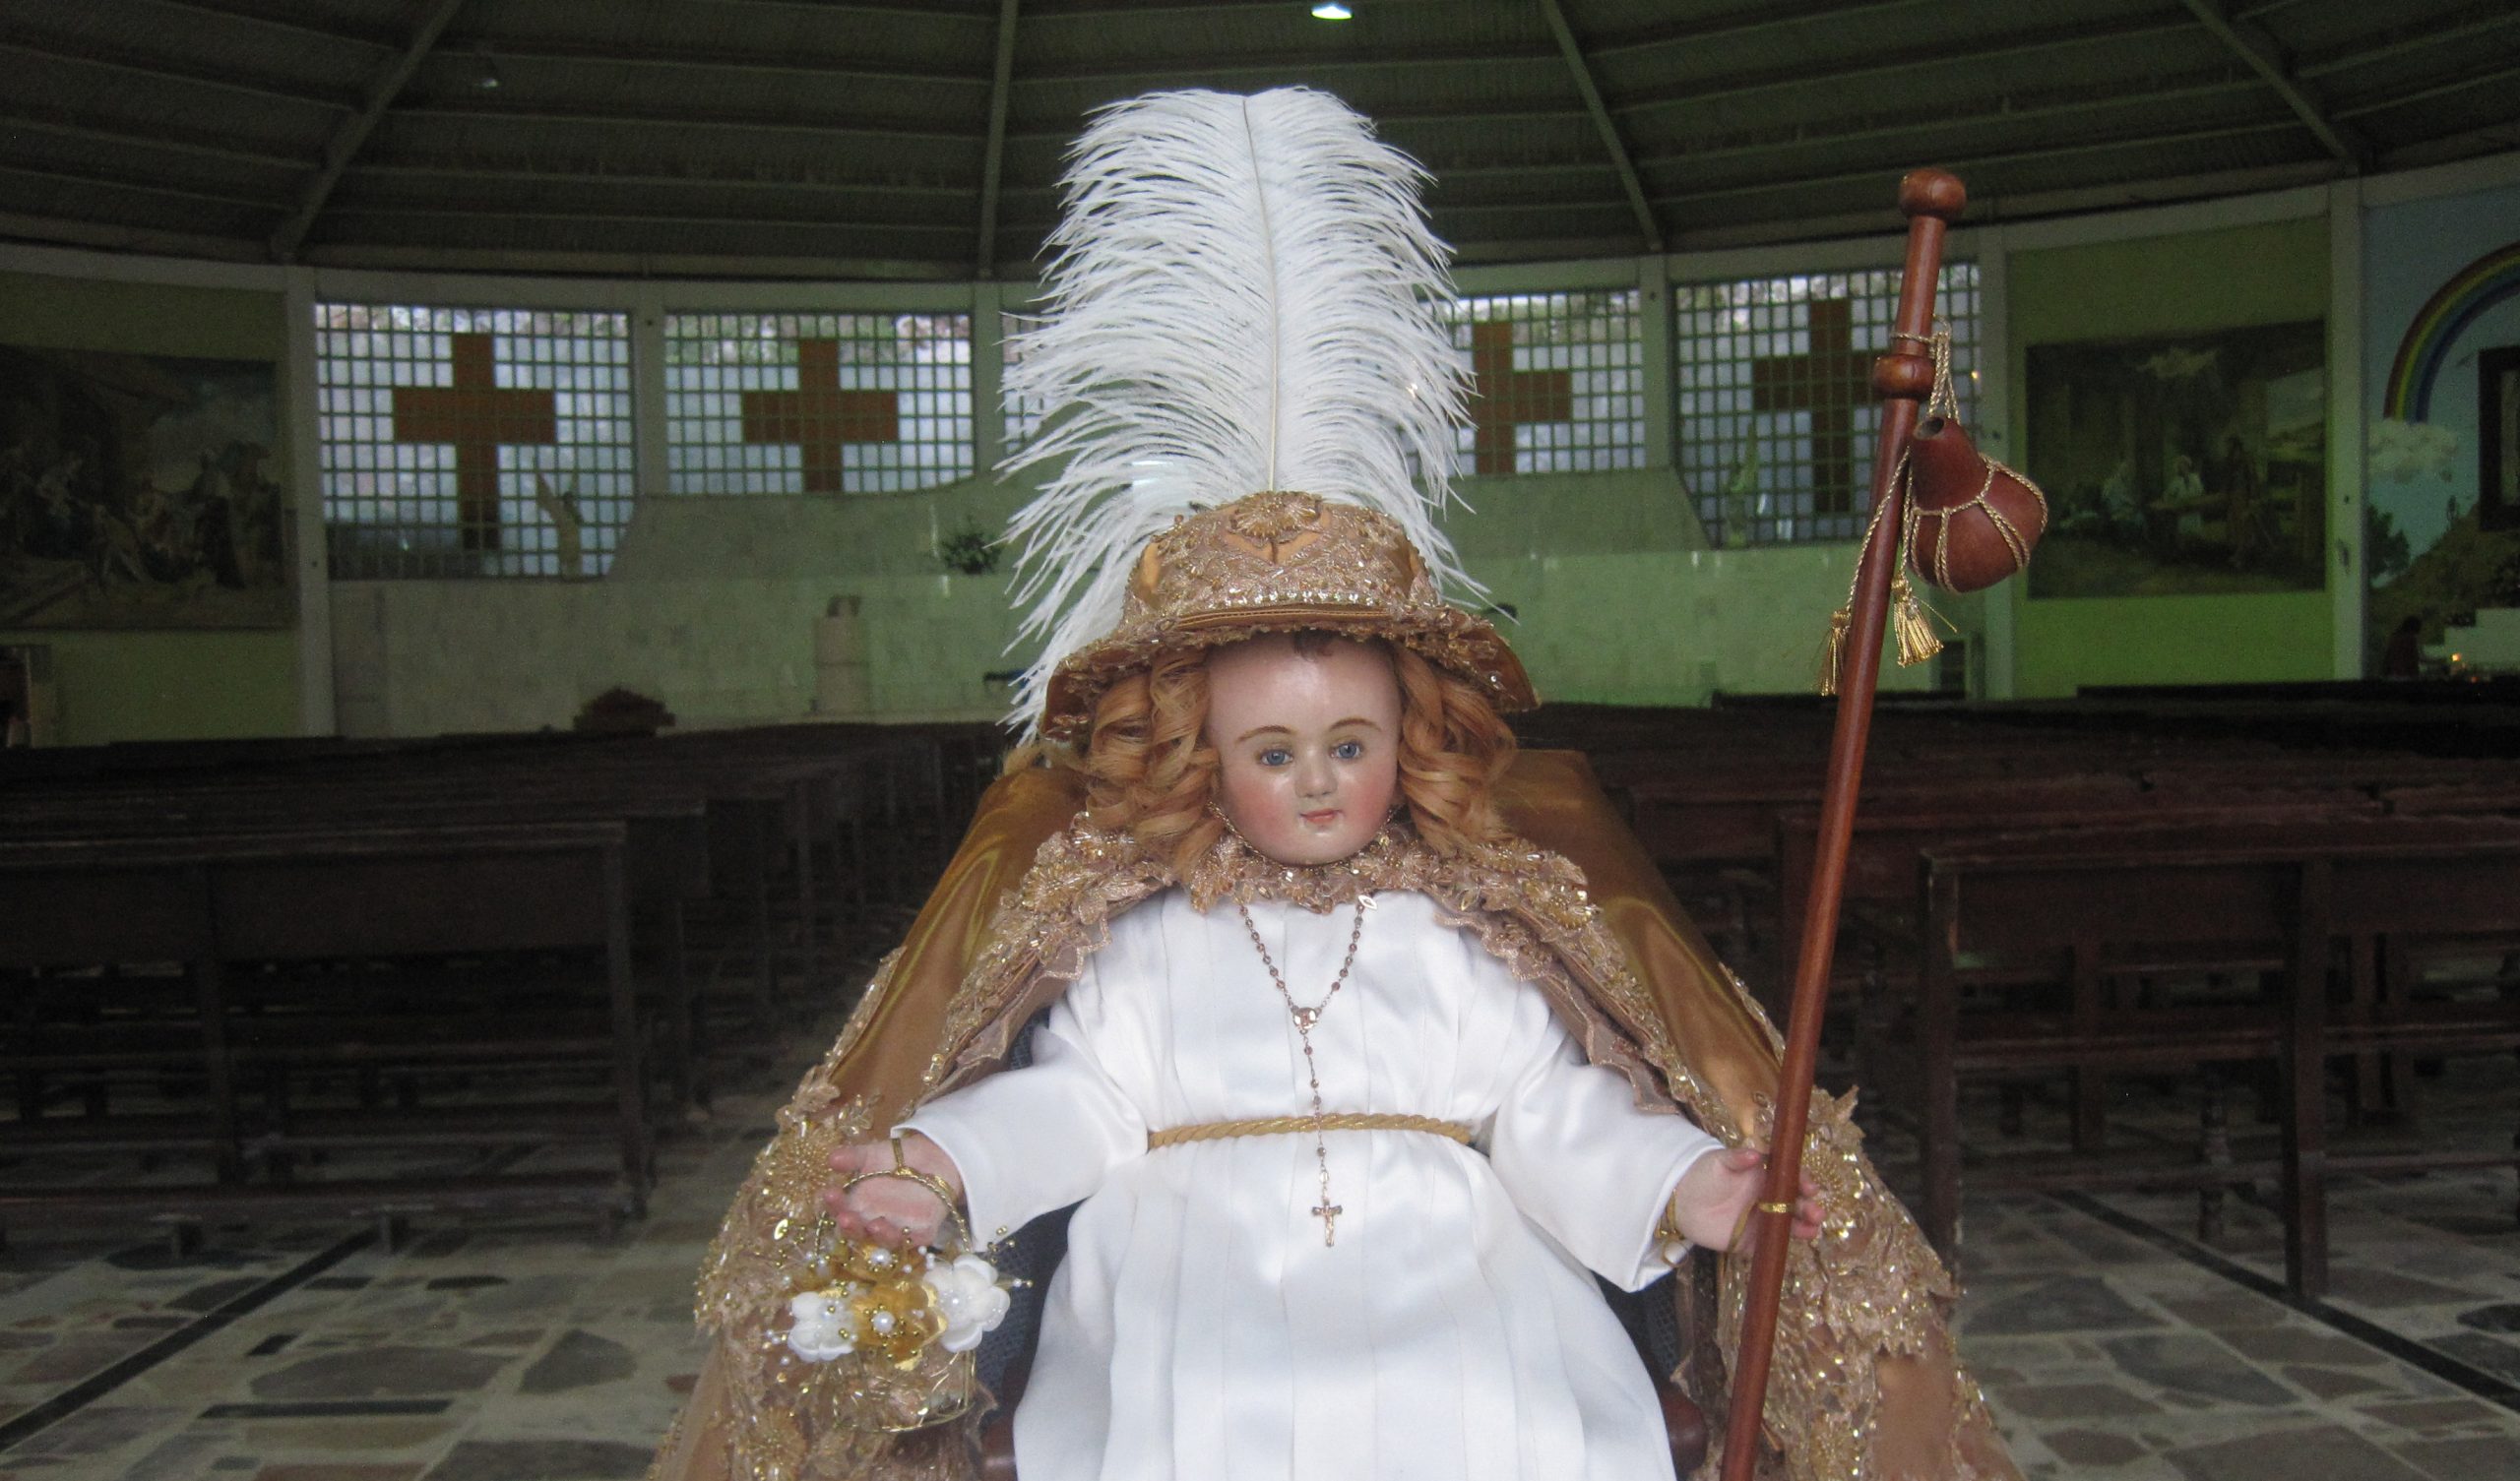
{"x":1865,"y":1385}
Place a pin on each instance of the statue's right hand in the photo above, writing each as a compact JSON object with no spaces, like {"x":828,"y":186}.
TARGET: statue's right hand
{"x":890,"y":1211}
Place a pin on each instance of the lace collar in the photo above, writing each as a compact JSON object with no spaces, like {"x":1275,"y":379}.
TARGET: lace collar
{"x":1395,"y":859}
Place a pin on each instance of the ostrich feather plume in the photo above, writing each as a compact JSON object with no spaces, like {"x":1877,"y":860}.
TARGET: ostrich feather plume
{"x":1246,"y":297}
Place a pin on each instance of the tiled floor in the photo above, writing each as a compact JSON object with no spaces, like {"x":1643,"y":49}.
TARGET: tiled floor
{"x":2112,"y":1344}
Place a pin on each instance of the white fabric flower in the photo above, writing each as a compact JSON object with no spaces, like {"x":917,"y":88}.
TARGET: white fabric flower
{"x":822,"y":1328}
{"x":969,"y":1299}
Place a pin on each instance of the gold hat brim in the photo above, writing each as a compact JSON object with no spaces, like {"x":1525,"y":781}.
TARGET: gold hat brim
{"x":1444,"y":635}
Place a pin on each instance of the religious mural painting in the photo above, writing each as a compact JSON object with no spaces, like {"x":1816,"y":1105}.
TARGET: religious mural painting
{"x":2442,"y":336}
{"x":2188,"y":464}
{"x":2498,"y":439}
{"x":140,"y":491}
{"x":25,"y":682}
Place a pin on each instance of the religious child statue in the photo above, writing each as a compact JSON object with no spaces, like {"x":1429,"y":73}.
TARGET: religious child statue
{"x":1355,"y":1060}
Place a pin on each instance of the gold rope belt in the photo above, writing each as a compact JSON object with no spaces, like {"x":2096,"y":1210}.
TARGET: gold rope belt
{"x":1280,"y":1126}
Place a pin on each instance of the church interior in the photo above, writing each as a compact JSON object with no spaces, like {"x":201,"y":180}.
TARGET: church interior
{"x":504,"y":618}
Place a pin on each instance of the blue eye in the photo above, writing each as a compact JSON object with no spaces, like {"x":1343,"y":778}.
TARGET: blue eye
{"x":1349,"y":750}
{"x":1275,"y":756}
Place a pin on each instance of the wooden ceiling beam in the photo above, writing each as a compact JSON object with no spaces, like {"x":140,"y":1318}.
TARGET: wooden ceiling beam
{"x":1386,"y":121}
{"x":287,"y":26}
{"x":2448,"y":146}
{"x":2251,"y":44}
{"x":923,"y":13}
{"x":115,"y":237}
{"x":1046,"y":12}
{"x":640,"y":264}
{"x":17,"y":39}
{"x":1174,"y":73}
{"x":1582,"y":73}
{"x":723,"y":223}
{"x":453,"y":170}
{"x":1977,"y":52}
{"x":706,"y":61}
{"x":352,"y":135}
{"x":2495,"y":19}
{"x":1889,"y":171}
{"x":95,"y":134}
{"x":1749,"y":22}
{"x":2460,"y":83}
{"x":1991,"y":205}
{"x":1831,"y":135}
{"x":140,"y":187}
{"x":993,"y":163}
{"x":751,"y":123}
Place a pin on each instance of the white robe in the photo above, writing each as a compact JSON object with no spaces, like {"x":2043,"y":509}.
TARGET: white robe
{"x":1200,"y":1330}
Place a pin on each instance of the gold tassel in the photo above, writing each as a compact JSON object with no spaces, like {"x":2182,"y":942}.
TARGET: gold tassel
{"x":1836,"y":656}
{"x":1913,"y":620}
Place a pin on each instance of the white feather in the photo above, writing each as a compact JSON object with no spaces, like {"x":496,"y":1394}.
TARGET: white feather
{"x":1246,"y":297}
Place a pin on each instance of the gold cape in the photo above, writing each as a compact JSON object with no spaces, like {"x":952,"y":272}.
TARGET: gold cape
{"x":1865,"y":1385}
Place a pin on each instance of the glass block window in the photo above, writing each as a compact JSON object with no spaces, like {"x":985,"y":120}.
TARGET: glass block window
{"x":817,"y":403}
{"x":1777,"y":415}
{"x":1023,"y":420}
{"x":472,"y":442}
{"x":1558,"y":382}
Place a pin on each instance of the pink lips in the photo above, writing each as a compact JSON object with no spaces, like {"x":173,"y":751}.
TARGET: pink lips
{"x":1324,"y":816}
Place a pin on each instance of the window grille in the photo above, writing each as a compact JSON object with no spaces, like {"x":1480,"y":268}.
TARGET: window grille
{"x":1023,"y":423}
{"x":1558,"y":382}
{"x":1777,"y":415}
{"x":817,"y":403}
{"x":472,"y":442}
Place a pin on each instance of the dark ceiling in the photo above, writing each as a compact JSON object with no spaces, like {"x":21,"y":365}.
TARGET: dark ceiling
{"x":772,"y":137}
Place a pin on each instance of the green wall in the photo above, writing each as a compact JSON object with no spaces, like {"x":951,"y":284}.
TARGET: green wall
{"x":115,"y":684}
{"x":713,"y":607}
{"x":2269,"y":273}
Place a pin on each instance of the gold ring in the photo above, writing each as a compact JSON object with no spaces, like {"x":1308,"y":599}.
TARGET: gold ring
{"x":1776,"y":1208}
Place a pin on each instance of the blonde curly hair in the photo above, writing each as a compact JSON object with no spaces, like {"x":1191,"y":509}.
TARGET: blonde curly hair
{"x":1150,"y":772}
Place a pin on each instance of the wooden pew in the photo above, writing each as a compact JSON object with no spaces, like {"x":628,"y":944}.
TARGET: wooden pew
{"x":2103,"y":898}
{"x":709,"y":820}
{"x":1880,"y":951}
{"x":217,"y":904}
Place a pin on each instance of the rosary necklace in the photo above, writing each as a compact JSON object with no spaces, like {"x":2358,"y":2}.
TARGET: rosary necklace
{"x":1305,"y":1018}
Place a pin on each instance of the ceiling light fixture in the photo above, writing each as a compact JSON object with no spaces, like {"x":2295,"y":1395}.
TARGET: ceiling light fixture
{"x":1331,"y":10}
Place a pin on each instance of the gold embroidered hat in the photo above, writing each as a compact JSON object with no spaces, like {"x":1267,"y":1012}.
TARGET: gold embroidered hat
{"x":1282,"y":562}
{"x":1246,"y":303}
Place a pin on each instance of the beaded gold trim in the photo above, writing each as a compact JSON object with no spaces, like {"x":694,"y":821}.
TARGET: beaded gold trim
{"x":1284,"y":1126}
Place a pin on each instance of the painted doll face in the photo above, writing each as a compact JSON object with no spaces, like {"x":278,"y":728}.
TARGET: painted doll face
{"x":1308,"y":745}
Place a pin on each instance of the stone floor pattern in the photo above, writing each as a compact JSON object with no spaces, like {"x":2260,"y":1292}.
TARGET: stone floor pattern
{"x":2112,"y":1344}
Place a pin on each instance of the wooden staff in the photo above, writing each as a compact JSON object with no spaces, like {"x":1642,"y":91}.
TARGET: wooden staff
{"x":1931,"y":200}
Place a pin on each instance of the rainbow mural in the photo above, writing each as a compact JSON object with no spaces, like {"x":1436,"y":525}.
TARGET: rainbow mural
{"x":2473,"y":289}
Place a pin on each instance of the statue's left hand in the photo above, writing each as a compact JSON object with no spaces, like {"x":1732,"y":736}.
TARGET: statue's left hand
{"x":891,"y":1210}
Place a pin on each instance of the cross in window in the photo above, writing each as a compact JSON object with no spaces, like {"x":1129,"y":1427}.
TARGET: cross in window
{"x":820,"y":418}
{"x":1504,"y":398}
{"x":479,"y":417}
{"x":1829,"y":383}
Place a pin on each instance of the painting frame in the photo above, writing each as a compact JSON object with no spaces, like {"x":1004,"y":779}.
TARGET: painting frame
{"x":2181,"y":465}
{"x":2498,"y":439}
{"x":142,"y":491}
